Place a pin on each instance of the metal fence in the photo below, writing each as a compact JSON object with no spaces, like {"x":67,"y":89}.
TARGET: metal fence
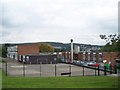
{"x":52,"y":70}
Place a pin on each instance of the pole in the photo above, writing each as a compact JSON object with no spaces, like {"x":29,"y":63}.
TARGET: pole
{"x":71,"y":50}
{"x":83,"y":70}
{"x":70,"y":70}
{"x":115,"y":67}
{"x":105,"y":70}
{"x":98,"y":71}
{"x":23,"y":69}
{"x":6,"y":68}
{"x":95,"y":71}
{"x":40,"y":69}
{"x":110,"y":69}
{"x":55,"y":69}
{"x":37,"y":61}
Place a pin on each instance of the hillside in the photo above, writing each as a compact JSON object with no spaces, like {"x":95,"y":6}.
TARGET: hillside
{"x":66,"y":46}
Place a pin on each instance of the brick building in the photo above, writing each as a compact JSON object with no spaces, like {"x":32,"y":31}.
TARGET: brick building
{"x":16,"y":51}
{"x":94,"y":56}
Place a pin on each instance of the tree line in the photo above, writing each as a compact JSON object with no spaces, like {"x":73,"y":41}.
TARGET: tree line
{"x":112,"y":43}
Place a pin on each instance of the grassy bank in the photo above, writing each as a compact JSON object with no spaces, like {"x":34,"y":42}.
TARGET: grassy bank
{"x":60,"y":82}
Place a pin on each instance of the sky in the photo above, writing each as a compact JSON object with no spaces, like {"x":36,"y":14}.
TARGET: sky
{"x":57,"y":20}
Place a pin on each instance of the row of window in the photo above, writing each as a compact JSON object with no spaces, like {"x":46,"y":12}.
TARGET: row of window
{"x":12,"y":49}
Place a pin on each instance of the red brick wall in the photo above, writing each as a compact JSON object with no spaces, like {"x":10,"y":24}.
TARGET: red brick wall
{"x":110,"y":57}
{"x":80,"y":56}
{"x":75,"y":56}
{"x":63,"y":54}
{"x":28,"y":49}
{"x":97,"y":57}
{"x":113,"y":56}
{"x":86,"y":56}
{"x":91,"y":56}
{"x":67,"y":55}
{"x":105,"y":56}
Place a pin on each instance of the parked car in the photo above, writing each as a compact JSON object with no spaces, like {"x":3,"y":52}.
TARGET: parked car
{"x":96,"y":65}
{"x":74,"y":61}
{"x":91,"y":63}
{"x":63,"y":60}
{"x":68,"y":61}
{"x":83,"y":63}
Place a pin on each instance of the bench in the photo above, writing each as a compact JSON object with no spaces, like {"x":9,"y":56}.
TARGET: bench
{"x":66,"y":73}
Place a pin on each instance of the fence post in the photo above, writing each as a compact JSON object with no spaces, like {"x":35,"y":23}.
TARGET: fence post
{"x":105,"y":70}
{"x":23,"y":69}
{"x":55,"y":69}
{"x":6,"y":68}
{"x":37,"y":61}
{"x":115,"y":67}
{"x":110,"y":69}
{"x":40,"y":69}
{"x":83,"y":70}
{"x":98,"y":71}
{"x":70,"y":70}
{"x":95,"y":71}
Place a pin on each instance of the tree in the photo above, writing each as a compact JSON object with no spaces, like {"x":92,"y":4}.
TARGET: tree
{"x":3,"y":51}
{"x":0,"y":50}
{"x":43,"y":47}
{"x":113,"y":43}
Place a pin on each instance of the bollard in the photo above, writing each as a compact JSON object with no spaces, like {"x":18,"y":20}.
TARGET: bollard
{"x":83,"y":70}
{"x":6,"y":68}
{"x":98,"y":71}
{"x":105,"y":70}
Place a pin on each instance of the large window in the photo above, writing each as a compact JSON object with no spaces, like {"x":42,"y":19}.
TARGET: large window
{"x":100,"y":57}
{"x":84,"y":56}
{"x":88,"y":56}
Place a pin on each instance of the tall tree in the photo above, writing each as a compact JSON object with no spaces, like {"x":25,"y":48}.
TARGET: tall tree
{"x":3,"y":51}
{"x":113,"y":42}
{"x":43,"y":47}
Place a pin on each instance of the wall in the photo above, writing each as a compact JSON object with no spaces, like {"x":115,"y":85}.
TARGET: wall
{"x":25,"y":49}
{"x":44,"y":59}
{"x":109,"y":56}
{"x":28,"y":49}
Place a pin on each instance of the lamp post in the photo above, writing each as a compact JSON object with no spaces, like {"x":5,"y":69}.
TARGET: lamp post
{"x":71,"y":50}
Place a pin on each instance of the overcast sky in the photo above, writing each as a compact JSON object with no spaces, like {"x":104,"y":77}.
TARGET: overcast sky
{"x":57,"y":20}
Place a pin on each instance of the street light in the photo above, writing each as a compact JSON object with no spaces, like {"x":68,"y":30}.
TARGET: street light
{"x":71,"y":50}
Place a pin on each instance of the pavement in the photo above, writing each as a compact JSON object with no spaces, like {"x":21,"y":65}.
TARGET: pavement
{"x":15,"y":68}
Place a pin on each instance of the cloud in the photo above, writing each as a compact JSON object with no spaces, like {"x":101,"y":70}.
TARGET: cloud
{"x":58,"y":20}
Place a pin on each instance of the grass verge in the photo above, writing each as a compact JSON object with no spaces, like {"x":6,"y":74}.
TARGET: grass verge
{"x":60,"y":82}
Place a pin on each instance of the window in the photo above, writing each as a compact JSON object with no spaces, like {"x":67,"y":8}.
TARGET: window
{"x":84,"y":56}
{"x":94,"y":56}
